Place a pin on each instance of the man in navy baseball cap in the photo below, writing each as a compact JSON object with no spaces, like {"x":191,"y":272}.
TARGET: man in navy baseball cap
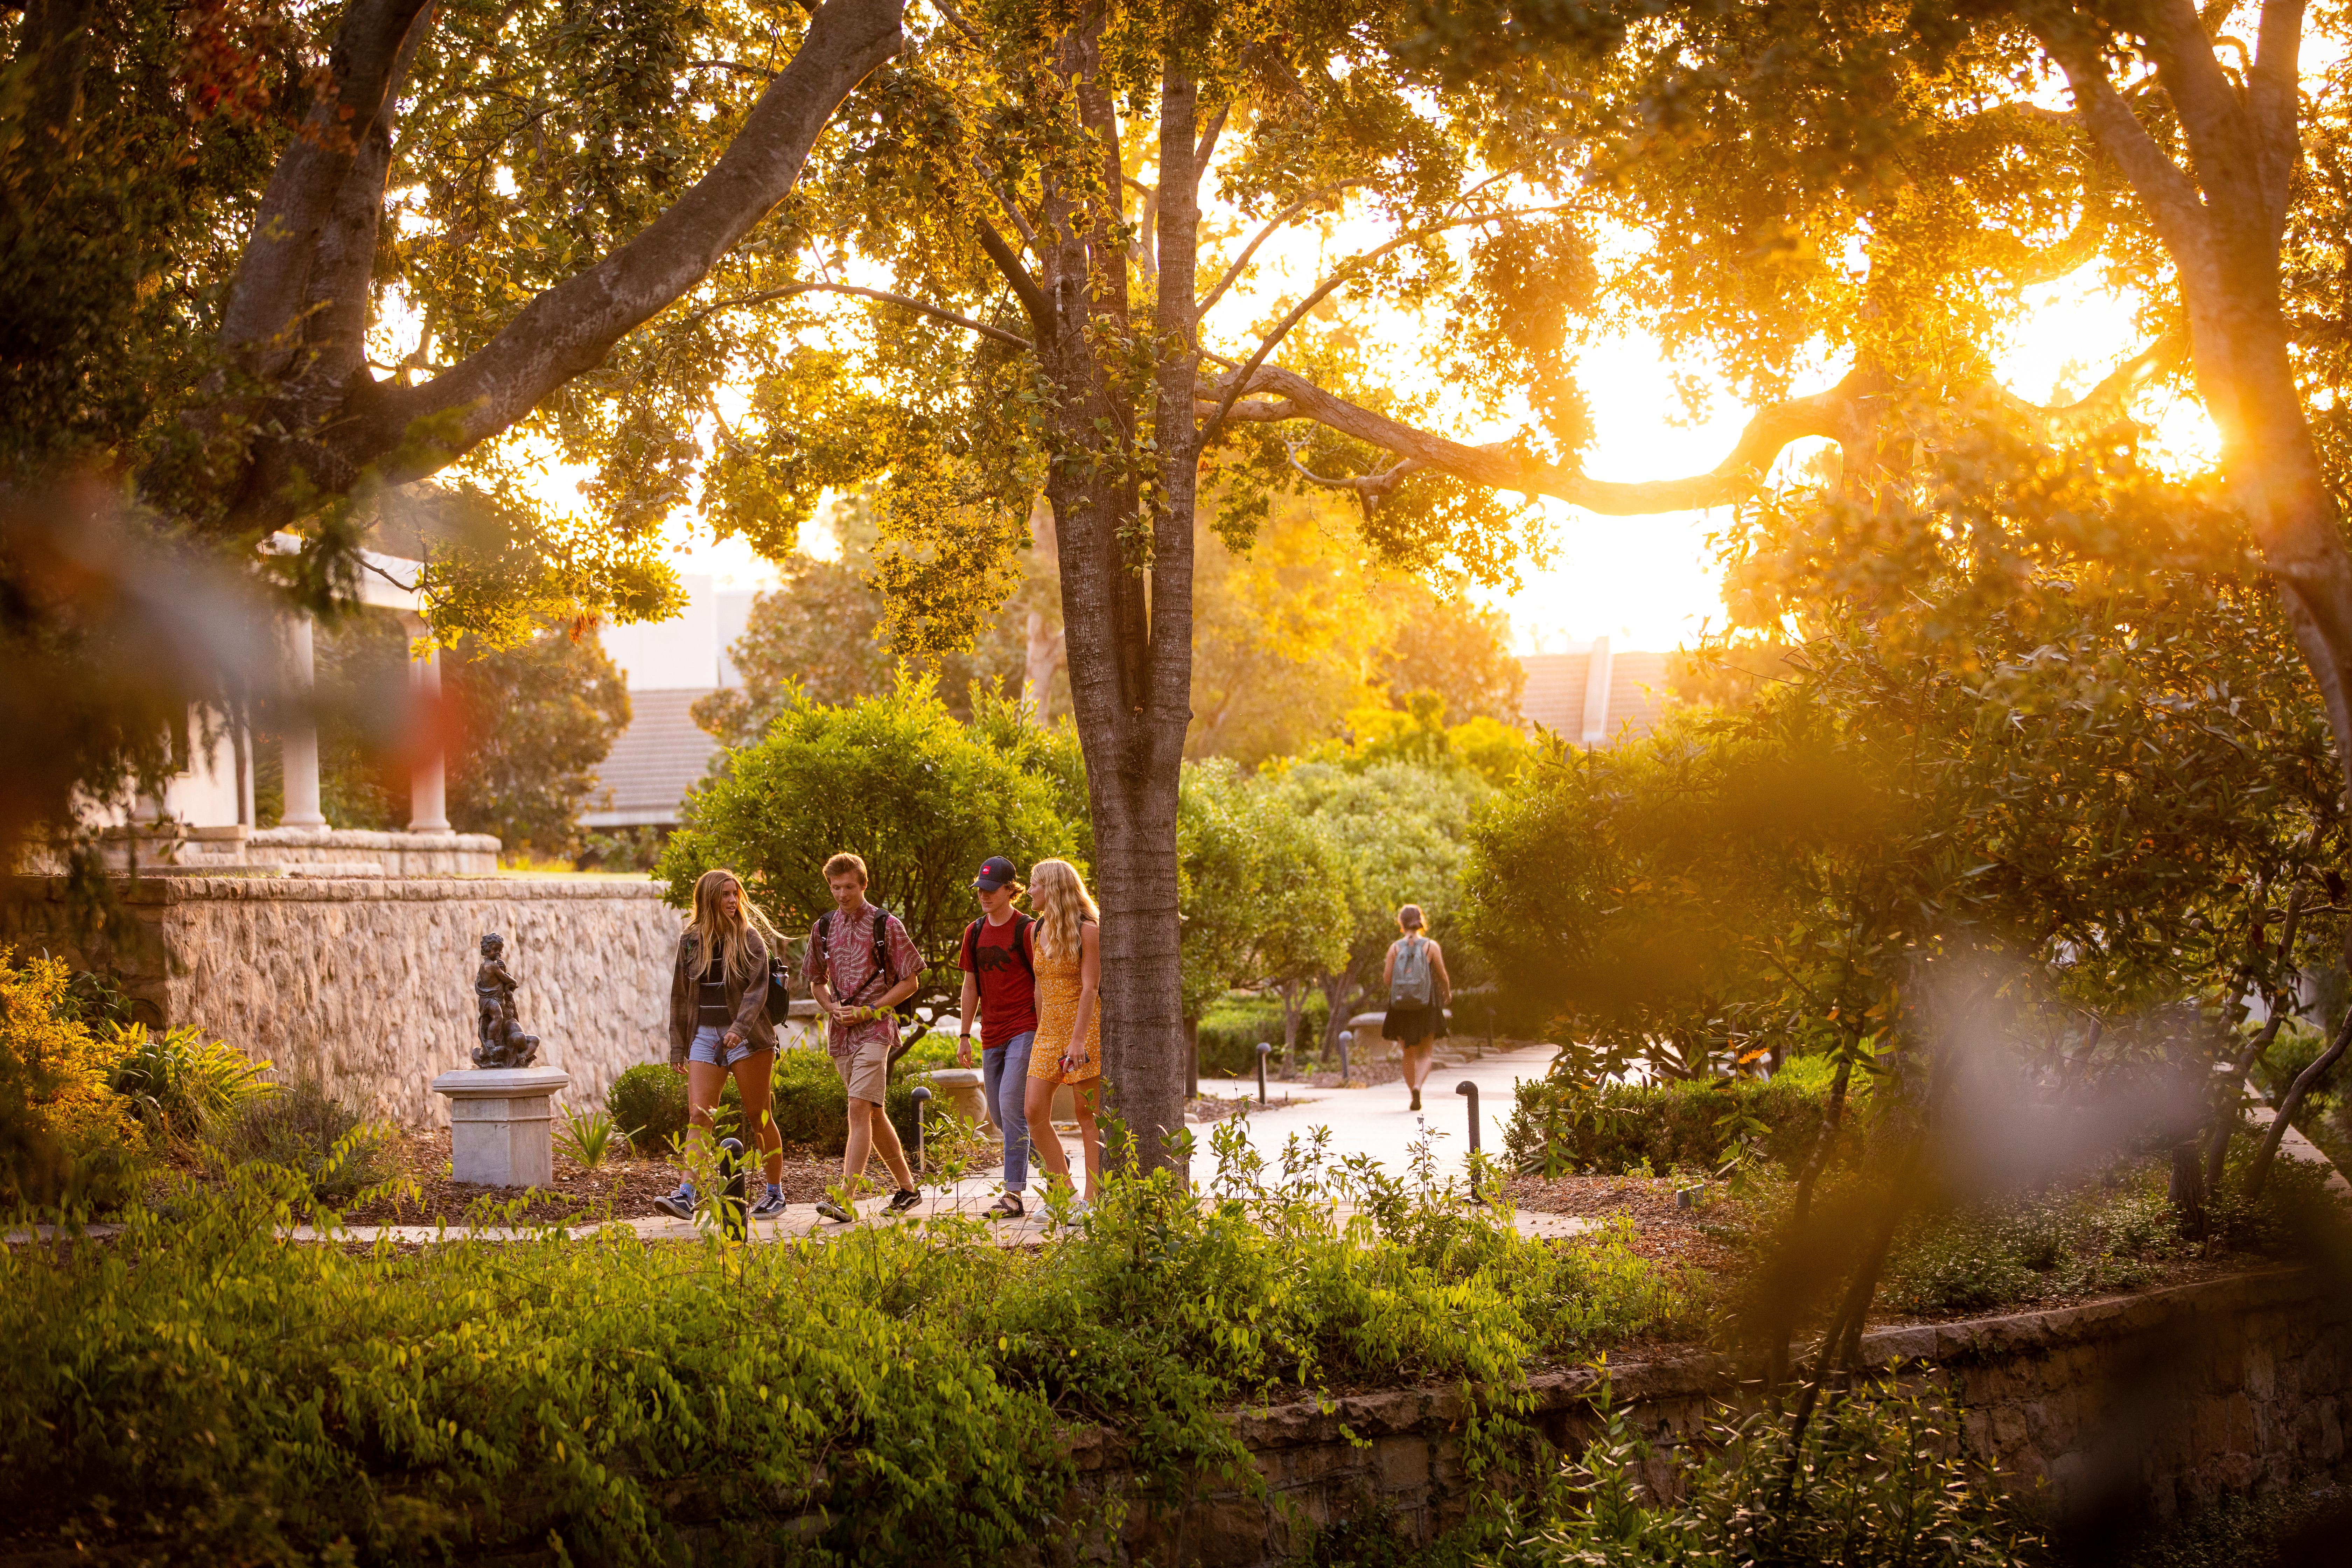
{"x":1000,"y":994}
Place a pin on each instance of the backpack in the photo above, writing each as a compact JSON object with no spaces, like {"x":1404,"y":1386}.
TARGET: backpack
{"x":1410,"y":981}
{"x":882,"y":970}
{"x":1020,"y":941}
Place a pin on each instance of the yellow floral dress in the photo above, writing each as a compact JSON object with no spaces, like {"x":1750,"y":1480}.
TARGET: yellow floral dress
{"x":1057,"y":1010}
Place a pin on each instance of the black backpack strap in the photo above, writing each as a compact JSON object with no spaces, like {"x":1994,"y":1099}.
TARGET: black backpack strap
{"x":882,"y":946}
{"x":1021,"y":940}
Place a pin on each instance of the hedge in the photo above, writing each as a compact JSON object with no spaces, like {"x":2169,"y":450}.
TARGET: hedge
{"x":1233,"y":1025}
{"x":1567,"y":1126}
{"x":810,"y":1105}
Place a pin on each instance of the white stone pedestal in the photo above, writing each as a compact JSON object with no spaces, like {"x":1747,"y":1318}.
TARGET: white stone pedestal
{"x":500,"y":1132}
{"x":960,"y":1088}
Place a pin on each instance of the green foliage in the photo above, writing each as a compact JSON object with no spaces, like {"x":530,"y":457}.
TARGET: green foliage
{"x":637,"y":849}
{"x":65,"y":1135}
{"x":895,"y":779}
{"x":1456,"y":653}
{"x":1564,"y":1124}
{"x":1882,"y":1481}
{"x":2031,"y":1247}
{"x":648,"y":1107}
{"x":534,"y":719}
{"x":586,"y":1140}
{"x":328,"y":1148}
{"x":1232,"y":1027}
{"x":909,"y":1401}
{"x":811,"y":1104}
{"x":180,"y":1084}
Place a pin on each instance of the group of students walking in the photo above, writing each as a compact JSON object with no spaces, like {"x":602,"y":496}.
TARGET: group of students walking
{"x":1031,"y":983}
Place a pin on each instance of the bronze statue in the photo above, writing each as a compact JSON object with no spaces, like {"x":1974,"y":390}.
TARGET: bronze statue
{"x":503,"y":1043}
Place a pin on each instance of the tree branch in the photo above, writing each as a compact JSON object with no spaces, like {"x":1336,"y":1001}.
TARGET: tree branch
{"x":569,"y":328}
{"x":1016,"y":278}
{"x":272,"y":284}
{"x":937,"y":312}
{"x":2173,"y":201}
{"x":1259,"y":238}
{"x":1346,"y":269}
{"x":1835,"y":413}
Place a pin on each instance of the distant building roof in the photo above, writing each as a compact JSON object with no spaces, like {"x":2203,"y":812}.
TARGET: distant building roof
{"x":1563,"y":697}
{"x":654,"y":762}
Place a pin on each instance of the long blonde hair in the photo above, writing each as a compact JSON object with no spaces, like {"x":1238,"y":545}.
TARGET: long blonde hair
{"x":710,"y":930}
{"x":1059,"y":896}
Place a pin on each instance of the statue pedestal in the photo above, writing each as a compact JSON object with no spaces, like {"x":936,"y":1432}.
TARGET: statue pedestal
{"x":502,"y":1130}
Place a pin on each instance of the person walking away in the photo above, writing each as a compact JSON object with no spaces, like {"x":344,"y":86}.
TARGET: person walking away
{"x":1068,"y":1047}
{"x":862,"y":964}
{"x":1000,"y":989}
{"x":1419,"y":989}
{"x":719,"y":1025}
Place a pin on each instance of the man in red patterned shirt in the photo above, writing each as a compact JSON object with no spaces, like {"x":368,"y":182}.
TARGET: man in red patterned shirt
{"x":861,"y":964}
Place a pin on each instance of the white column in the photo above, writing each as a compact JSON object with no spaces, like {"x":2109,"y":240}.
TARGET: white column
{"x":300,"y":730}
{"x":428,"y":810}
{"x":1596,"y":693}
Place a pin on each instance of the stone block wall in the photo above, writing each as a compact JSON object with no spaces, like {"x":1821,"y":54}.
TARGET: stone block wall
{"x":400,"y":854}
{"x":2149,"y":1404}
{"x":367,"y":984}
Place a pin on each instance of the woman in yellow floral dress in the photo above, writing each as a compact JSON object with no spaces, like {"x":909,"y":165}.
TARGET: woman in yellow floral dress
{"x":1068,"y":1047}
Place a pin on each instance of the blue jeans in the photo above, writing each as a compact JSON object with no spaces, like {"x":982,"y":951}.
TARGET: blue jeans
{"x":1004,"y":1086}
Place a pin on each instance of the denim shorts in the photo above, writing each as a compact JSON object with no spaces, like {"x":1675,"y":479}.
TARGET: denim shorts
{"x":706,"y":1048}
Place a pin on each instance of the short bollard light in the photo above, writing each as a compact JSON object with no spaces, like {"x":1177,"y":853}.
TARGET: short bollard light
{"x":1343,"y":1059}
{"x":1470,"y":1091}
{"x":922,"y":1096}
{"x":734,"y":1202}
{"x":1262,"y":1049}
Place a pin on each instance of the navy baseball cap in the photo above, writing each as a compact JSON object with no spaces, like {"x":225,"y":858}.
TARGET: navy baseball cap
{"x":994,"y":872}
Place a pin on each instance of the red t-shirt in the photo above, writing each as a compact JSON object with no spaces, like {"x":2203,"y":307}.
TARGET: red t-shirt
{"x":1008,"y":996}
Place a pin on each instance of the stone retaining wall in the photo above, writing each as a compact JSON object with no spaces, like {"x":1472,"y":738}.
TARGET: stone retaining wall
{"x":367,"y":984}
{"x":2154,"y":1403}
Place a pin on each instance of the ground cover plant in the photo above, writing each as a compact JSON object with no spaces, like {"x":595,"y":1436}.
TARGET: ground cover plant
{"x":893,"y":1395}
{"x":1877,"y":1479}
{"x":1564,"y":1124}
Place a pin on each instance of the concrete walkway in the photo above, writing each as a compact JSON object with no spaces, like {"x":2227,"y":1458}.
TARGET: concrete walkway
{"x":1380,"y":1122}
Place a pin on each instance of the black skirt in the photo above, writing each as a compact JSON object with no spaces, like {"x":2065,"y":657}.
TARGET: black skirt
{"x":1413,"y":1026}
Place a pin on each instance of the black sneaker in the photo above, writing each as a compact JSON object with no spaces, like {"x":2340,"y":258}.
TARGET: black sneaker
{"x":770,"y":1206}
{"x":834,"y":1212}
{"x":903,"y":1199}
{"x":679,"y":1204}
{"x":1416,"y":1099}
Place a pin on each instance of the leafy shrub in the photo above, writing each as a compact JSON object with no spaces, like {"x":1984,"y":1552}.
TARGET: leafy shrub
{"x":648,"y":1103}
{"x":1563,"y":1125}
{"x":2294,"y":1214}
{"x":1878,"y":1484}
{"x":812,"y":1106}
{"x":64,"y":1133}
{"x":1231,"y":1027}
{"x":181,"y":1084}
{"x":907,"y":1400}
{"x":301,"y":1128}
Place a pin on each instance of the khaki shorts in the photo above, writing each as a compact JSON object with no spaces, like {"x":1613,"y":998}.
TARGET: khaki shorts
{"x":867,"y":1072}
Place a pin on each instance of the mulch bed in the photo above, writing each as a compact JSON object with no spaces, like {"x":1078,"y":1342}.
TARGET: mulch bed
{"x":622,"y":1189}
{"x":1663,"y":1232}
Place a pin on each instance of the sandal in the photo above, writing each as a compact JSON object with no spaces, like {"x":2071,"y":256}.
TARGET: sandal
{"x":1007,"y":1206}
